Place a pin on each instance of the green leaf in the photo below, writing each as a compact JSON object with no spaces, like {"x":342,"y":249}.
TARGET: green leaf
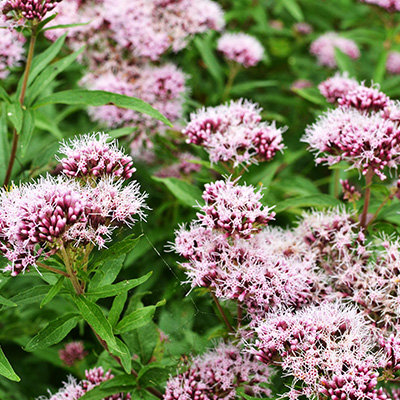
{"x":320,"y":200}
{"x":41,"y":61}
{"x":6,"y":368}
{"x":54,"y":332}
{"x":120,"y":132}
{"x":100,"y":98}
{"x":116,"y":308}
{"x":7,"y":302}
{"x":15,"y":115}
{"x":53,"y":291}
{"x":4,"y":95}
{"x":293,"y":9}
{"x":31,"y":295}
{"x":311,"y":94}
{"x":153,"y":375}
{"x":125,"y":356}
{"x":185,"y":192}
{"x":94,"y":316}
{"x":49,"y":74}
{"x":107,"y":272}
{"x":4,"y":145}
{"x":28,"y":126}
{"x":42,"y":121}
{"x":45,"y":21}
{"x":65,"y":26}
{"x":245,"y":87}
{"x":211,"y":62}
{"x":344,"y":62}
{"x":121,"y":287}
{"x":137,"y":318}
{"x":119,"y":384}
{"x":380,"y":68}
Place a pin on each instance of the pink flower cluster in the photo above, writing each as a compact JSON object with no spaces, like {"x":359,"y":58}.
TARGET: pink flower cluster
{"x":72,"y":352}
{"x":241,"y":48}
{"x":73,"y":390}
{"x":38,"y":219}
{"x":217,"y":374}
{"x":234,"y":133}
{"x":326,"y":348}
{"x":27,"y":9}
{"x":11,"y":50}
{"x":389,"y":5}
{"x":363,"y":131}
{"x":145,"y":28}
{"x":324,"y":48}
{"x":337,"y":86}
{"x":234,"y":209}
{"x":393,"y":62}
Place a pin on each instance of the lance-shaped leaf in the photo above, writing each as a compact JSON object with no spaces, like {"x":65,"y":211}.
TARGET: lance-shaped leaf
{"x":101,"y":98}
{"x":119,"y":384}
{"x":6,"y":368}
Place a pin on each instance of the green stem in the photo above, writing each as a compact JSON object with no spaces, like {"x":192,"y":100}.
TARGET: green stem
{"x":71,"y":273}
{"x":57,"y":271}
{"x":221,"y":311}
{"x":234,"y":68}
{"x":14,"y":146}
{"x":368,"y":180}
{"x":336,"y":177}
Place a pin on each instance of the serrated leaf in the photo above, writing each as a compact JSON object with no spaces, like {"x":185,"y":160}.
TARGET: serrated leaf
{"x":53,"y":333}
{"x":31,"y":295}
{"x":125,"y":356}
{"x":101,"y":98}
{"x":136,"y":319}
{"x":152,"y":375}
{"x":107,"y":271}
{"x":53,"y":291}
{"x":185,"y":192}
{"x":94,"y":316}
{"x":119,"y":384}
{"x":320,"y":200}
{"x":6,"y":368}
{"x":120,"y":287}
{"x":28,"y":126}
{"x":49,"y":74}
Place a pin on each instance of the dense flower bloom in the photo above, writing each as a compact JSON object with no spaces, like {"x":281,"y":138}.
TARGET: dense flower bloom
{"x":367,"y":142}
{"x":11,"y":50}
{"x":241,"y":48}
{"x":234,"y":209}
{"x":91,"y":156}
{"x":365,"y":99}
{"x":327,"y":348}
{"x":147,"y":28}
{"x":217,"y":374}
{"x":337,"y":86}
{"x":324,"y":48}
{"x":234,"y":132}
{"x":389,"y":5}
{"x":393,"y":62}
{"x":73,"y":390}
{"x":27,"y":9}
{"x":72,"y":352}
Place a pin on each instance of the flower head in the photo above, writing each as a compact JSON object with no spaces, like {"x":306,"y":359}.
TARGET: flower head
{"x":367,"y":142}
{"x":94,"y":156}
{"x":241,"y":48}
{"x":337,"y":86}
{"x":234,"y":132}
{"x":33,"y":10}
{"x":388,"y":5}
{"x":72,"y":352}
{"x":324,"y":48}
{"x":217,"y":374}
